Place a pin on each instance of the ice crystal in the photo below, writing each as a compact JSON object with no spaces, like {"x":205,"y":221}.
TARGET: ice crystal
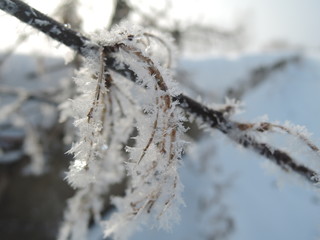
{"x":106,"y":112}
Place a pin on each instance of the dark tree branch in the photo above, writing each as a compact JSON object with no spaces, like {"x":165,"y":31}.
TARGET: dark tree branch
{"x":47,"y":25}
{"x":213,"y":118}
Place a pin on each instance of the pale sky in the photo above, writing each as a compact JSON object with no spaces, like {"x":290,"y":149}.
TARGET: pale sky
{"x":294,"y":21}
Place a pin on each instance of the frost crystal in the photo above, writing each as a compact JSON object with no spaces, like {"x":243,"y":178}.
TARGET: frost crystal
{"x":106,"y":112}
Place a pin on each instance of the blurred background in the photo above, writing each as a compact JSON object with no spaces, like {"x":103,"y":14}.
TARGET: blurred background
{"x":262,"y":53}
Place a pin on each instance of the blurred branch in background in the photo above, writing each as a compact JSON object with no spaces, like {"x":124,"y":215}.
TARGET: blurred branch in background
{"x":258,"y":76}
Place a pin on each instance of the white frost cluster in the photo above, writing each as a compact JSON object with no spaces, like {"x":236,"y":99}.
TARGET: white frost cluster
{"x":107,"y":112}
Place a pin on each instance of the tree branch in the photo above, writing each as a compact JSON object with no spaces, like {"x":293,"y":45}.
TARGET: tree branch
{"x":48,"y":26}
{"x":215,"y":119}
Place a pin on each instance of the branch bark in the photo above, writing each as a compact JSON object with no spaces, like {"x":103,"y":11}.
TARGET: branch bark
{"x":214,"y":119}
{"x":47,"y":25}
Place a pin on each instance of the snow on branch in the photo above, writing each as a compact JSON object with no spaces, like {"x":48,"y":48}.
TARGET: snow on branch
{"x":106,"y":113}
{"x":238,"y":133}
